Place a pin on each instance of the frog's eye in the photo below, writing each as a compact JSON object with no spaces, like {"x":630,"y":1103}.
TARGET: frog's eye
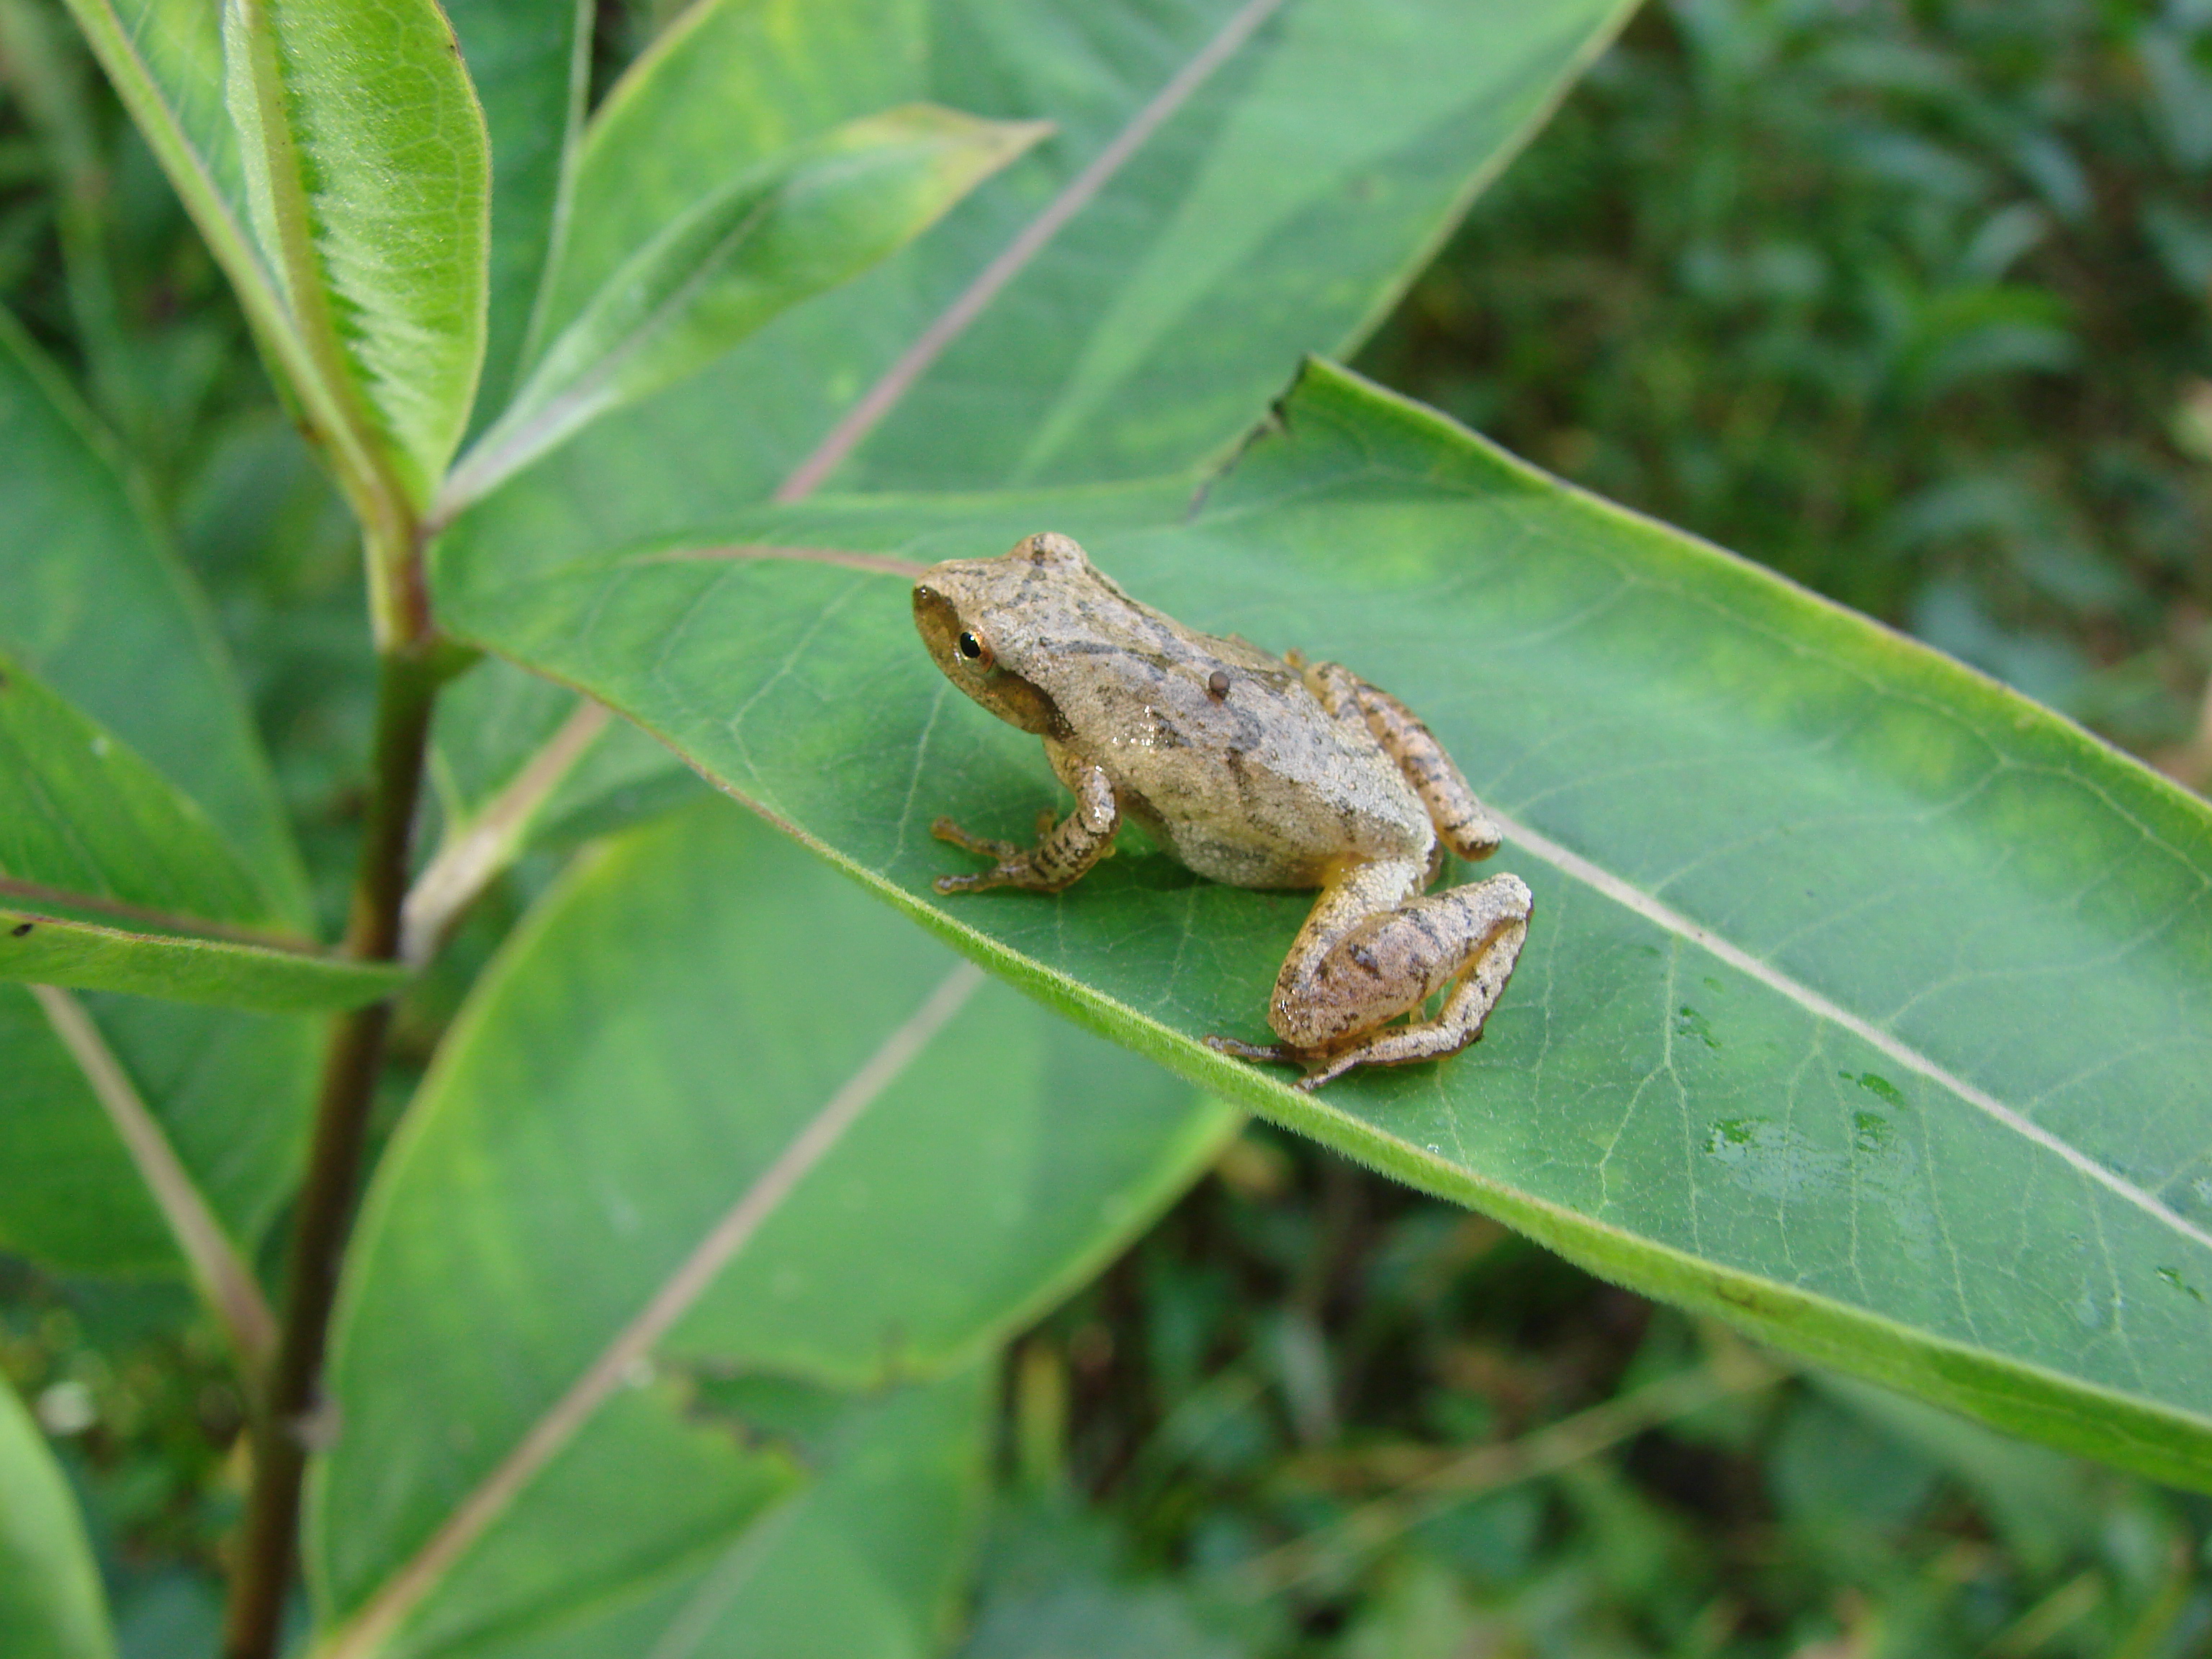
{"x":973,"y":649}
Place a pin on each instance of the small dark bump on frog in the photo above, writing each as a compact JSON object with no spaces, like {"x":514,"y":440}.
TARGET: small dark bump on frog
{"x":1306,"y":777}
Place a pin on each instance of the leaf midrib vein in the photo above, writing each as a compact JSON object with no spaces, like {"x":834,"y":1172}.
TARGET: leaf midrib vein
{"x":404,"y":1588}
{"x":890,"y":389}
{"x":1885,"y":1042}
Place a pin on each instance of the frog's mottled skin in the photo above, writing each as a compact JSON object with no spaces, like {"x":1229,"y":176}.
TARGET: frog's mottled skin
{"x":1252,"y":770}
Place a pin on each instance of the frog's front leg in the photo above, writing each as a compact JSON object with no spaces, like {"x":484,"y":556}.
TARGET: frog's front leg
{"x":1372,"y":951}
{"x":1063,"y":853}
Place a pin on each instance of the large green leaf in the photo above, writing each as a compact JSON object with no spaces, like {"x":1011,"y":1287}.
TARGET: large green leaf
{"x":1229,"y":184}
{"x":50,"y":1605}
{"x":1866,"y":1004}
{"x":867,"y":1562}
{"x":366,"y":169}
{"x":764,"y":240}
{"x":712,"y":1112}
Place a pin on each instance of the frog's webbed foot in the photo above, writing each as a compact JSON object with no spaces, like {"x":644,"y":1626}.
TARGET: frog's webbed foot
{"x":1066,"y":849}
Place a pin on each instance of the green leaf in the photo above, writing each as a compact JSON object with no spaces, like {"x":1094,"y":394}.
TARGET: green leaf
{"x":647,"y":1486}
{"x":73,"y":1200}
{"x":111,"y":622}
{"x":104,"y":613}
{"x":497,"y":712}
{"x":368,"y":172}
{"x":869,"y":1564}
{"x":165,"y":58}
{"x":198,"y":1238}
{"x":1865,"y":1003}
{"x":80,"y":813}
{"x":713,"y":1115}
{"x":219,"y":1097}
{"x":50,"y":1605}
{"x":50,"y":949}
{"x":87,"y":826}
{"x":726,"y":87}
{"x":1227,"y":187}
{"x":865,"y":1563}
{"x":530,"y":62}
{"x":767,"y":238}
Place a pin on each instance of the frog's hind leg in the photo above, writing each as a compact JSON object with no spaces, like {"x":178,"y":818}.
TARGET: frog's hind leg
{"x":1064,"y":853}
{"x":1367,"y":955}
{"x":1462,"y":823}
{"x":1500,"y":908}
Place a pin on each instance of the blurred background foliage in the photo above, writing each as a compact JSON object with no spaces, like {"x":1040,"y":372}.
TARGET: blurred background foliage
{"x":1909,"y":301}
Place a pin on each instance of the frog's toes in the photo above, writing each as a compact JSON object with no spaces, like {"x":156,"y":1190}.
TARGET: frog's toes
{"x":1326,"y":1070}
{"x":1268,"y":1051}
{"x":1321,"y":1068}
{"x":999,"y":852}
{"x":975,"y":883}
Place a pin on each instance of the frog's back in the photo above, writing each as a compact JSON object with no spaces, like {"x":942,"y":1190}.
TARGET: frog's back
{"x":1232,"y":763}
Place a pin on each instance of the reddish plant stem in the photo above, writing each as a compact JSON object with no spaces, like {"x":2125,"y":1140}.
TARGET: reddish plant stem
{"x":289,"y":1399}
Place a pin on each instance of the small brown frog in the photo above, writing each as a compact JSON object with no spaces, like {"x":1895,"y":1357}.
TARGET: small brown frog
{"x":1251,"y":770}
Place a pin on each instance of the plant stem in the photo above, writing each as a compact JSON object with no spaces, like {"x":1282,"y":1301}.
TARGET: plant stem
{"x":286,"y":1415}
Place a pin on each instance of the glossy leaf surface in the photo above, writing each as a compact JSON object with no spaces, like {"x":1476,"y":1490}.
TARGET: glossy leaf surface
{"x":699,"y":1006}
{"x":367,"y":173}
{"x":51,"y":1604}
{"x":765,"y":239}
{"x":1866,"y":1004}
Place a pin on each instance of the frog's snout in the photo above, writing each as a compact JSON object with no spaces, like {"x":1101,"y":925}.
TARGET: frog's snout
{"x":937,"y":622}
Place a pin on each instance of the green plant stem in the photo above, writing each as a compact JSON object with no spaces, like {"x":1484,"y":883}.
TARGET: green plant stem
{"x":287,"y":1415}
